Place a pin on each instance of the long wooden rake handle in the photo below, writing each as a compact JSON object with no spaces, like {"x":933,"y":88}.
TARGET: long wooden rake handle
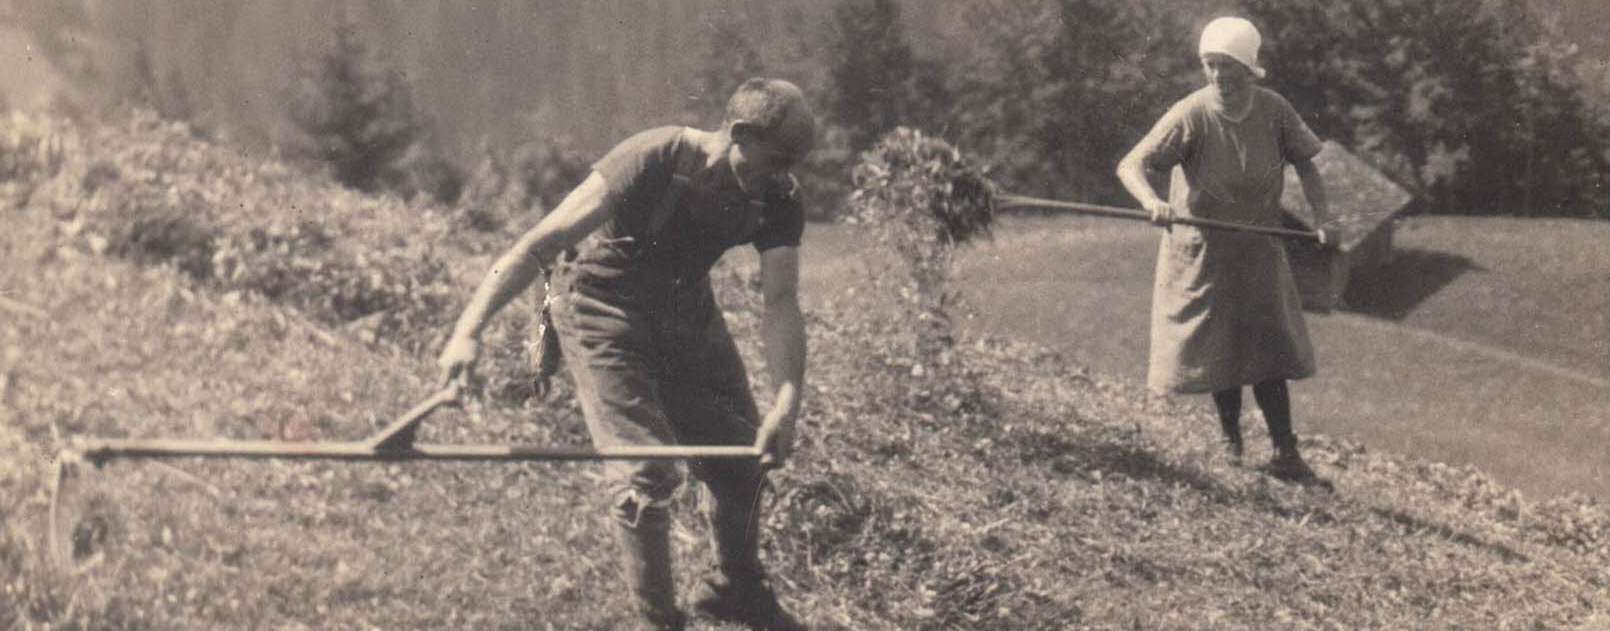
{"x":396,"y":443}
{"x":392,"y":444}
{"x":104,"y":450}
{"x":1020,"y":201}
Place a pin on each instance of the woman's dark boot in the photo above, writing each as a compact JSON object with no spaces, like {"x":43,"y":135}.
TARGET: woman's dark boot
{"x":1288,"y":463}
{"x":1228,"y":403}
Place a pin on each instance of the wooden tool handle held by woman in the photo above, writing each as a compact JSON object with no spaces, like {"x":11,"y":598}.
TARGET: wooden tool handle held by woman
{"x":1020,"y":201}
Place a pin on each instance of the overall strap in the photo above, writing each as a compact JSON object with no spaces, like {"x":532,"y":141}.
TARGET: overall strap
{"x":543,"y":348}
{"x":687,"y":163}
{"x":674,"y":190}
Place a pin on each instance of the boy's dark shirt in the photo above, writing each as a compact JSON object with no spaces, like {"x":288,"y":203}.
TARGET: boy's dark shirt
{"x":712,"y":215}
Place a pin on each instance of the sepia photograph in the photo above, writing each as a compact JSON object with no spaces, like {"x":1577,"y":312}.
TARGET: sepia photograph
{"x":840,"y":315}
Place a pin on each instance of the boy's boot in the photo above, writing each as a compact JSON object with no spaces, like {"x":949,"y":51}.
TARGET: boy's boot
{"x":746,"y":600}
{"x":736,"y":590}
{"x":646,"y":561}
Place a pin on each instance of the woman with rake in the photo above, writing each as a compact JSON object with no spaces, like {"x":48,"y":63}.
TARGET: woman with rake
{"x":1225,"y":307}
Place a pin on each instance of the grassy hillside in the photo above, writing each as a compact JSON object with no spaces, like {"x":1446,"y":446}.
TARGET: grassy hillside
{"x":1031,"y":494}
{"x":1483,"y":343}
{"x":1534,"y":287}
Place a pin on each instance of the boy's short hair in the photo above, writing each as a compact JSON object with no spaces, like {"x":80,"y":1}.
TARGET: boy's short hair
{"x":777,"y":108}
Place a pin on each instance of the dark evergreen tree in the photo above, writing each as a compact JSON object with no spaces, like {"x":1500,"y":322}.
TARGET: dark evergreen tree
{"x":1058,"y":90}
{"x":730,"y":60}
{"x":871,"y":71}
{"x":357,"y":114}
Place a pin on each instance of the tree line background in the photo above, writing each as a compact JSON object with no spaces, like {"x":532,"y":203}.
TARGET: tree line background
{"x":1477,"y":106}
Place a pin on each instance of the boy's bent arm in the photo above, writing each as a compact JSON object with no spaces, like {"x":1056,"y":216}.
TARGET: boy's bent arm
{"x":582,"y":211}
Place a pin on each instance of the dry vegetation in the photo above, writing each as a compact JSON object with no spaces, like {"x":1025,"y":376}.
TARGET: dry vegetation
{"x":1054,"y":499}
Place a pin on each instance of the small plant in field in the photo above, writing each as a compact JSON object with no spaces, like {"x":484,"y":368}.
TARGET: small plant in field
{"x":923,"y":198}
{"x":31,"y":149}
{"x":486,"y":201}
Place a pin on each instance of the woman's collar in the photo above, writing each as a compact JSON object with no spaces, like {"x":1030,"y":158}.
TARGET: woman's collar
{"x":1224,"y":109}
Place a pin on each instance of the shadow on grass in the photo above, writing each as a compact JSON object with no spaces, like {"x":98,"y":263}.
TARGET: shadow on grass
{"x":1394,"y":290}
{"x":1416,"y":526}
{"x":1113,"y":456}
{"x":1069,"y":456}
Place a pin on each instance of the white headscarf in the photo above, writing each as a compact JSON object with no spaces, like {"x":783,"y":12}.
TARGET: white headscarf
{"x":1235,"y":37}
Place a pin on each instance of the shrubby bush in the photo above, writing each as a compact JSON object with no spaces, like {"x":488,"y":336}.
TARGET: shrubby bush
{"x":521,"y":184}
{"x":425,"y":172}
{"x":145,"y":189}
{"x":489,"y":197}
{"x":32,"y":150}
{"x":545,"y":170}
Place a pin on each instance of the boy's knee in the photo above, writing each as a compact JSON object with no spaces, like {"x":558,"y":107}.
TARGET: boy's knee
{"x":724,"y":476}
{"x":645,"y":498}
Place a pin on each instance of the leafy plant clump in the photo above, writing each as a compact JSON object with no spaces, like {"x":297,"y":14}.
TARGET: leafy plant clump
{"x":926,"y":184}
{"x":923,"y":197}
